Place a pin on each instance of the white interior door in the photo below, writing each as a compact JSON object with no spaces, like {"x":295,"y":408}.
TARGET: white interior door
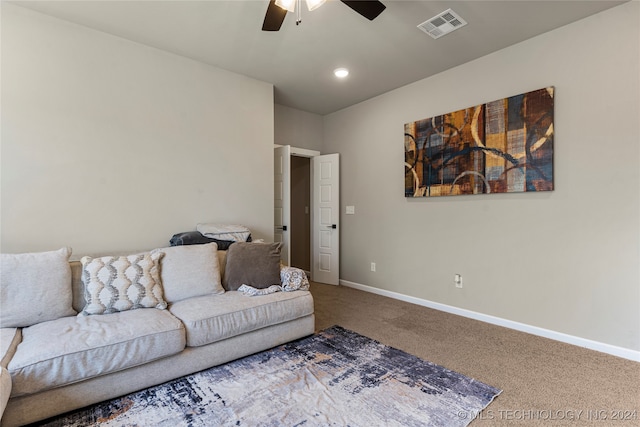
{"x":325,"y":204}
{"x":282,"y":200}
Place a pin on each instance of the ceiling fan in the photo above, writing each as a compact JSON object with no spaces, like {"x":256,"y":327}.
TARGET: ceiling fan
{"x":278,"y":9}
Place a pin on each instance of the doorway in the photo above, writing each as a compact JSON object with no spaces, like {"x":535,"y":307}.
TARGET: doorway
{"x":300,"y":213}
{"x":306,"y":211}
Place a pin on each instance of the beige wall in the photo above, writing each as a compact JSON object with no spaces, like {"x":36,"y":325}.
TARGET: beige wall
{"x":172,"y":142}
{"x":109,"y":145}
{"x":567,"y":260}
{"x":297,"y":128}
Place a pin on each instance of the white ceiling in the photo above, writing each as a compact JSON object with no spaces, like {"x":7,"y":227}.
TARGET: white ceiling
{"x":382,"y":55}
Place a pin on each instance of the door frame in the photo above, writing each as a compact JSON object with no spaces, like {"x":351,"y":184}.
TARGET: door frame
{"x":303,"y":152}
{"x":282,"y":200}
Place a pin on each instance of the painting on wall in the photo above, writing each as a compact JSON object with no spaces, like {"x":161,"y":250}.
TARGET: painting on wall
{"x":503,"y":146}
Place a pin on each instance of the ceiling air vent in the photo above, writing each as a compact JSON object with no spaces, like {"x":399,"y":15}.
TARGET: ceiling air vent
{"x":442,"y":24}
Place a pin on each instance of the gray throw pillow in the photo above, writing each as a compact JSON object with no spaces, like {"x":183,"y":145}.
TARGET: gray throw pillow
{"x":253,"y":264}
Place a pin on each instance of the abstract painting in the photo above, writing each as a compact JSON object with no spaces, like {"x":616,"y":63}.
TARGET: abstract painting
{"x":503,"y":146}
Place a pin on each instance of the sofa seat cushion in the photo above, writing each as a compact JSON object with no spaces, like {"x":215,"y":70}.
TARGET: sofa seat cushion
{"x":72,"y":349}
{"x":213,"y":318}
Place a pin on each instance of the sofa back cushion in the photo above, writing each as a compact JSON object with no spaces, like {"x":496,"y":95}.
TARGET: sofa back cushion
{"x":34,"y":288}
{"x":78,"y":287}
{"x":190,"y":271}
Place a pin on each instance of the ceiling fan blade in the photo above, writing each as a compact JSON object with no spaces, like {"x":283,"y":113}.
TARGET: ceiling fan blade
{"x":274,"y":17}
{"x":370,"y":9}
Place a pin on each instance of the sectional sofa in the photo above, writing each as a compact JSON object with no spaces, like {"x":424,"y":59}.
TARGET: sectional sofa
{"x":75,"y":333}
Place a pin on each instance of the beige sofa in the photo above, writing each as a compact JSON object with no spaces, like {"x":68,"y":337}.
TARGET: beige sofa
{"x":61,"y":363}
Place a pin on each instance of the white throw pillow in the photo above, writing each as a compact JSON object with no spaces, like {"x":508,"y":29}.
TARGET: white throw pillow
{"x":120,"y":283}
{"x":190,"y":271}
{"x":34,"y":288}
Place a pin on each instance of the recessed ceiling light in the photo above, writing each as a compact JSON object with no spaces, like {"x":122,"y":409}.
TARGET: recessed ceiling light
{"x":341,"y":72}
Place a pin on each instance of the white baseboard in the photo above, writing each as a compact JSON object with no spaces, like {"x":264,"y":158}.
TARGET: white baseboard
{"x":558,"y":336}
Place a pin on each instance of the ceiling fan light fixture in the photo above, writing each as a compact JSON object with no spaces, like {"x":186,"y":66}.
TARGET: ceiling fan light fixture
{"x":341,"y":73}
{"x":277,"y":10}
{"x":289,"y":5}
{"x":314,"y":4}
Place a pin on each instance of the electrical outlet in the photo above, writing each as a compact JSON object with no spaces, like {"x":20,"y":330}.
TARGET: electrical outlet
{"x":373,"y":266}
{"x":457,"y":279}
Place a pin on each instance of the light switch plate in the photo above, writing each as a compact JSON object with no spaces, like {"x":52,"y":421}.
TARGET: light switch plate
{"x":350,"y":210}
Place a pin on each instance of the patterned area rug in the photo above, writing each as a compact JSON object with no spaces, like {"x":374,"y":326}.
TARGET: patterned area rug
{"x":334,"y":378}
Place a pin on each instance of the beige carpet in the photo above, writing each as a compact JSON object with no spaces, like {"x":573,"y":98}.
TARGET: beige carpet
{"x":545,"y":382}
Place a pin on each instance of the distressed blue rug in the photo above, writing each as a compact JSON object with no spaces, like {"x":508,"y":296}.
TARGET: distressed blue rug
{"x":334,"y":378}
